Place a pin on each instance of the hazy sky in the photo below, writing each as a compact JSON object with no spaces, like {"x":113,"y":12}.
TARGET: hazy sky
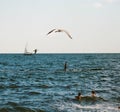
{"x":93,"y":24}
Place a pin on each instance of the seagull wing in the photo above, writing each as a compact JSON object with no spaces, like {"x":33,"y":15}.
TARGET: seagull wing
{"x":67,"y":33}
{"x":50,"y":31}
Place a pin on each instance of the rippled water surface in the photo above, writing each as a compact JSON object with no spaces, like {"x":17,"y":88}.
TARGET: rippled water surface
{"x":38,"y":83}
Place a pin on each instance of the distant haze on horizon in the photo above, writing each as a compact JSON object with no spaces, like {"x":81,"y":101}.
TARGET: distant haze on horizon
{"x":93,"y":24}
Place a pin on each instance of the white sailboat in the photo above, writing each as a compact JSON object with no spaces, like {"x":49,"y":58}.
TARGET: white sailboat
{"x":26,"y":51}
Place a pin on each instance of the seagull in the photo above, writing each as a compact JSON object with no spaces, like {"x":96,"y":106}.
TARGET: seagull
{"x":60,"y":30}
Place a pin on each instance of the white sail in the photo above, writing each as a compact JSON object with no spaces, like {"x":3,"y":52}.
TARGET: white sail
{"x":26,"y":51}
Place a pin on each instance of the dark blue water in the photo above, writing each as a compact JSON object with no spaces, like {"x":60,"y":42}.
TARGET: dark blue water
{"x":38,"y":83}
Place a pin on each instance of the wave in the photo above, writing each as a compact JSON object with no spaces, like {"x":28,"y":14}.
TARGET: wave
{"x":75,"y":70}
{"x":33,"y":93}
{"x":15,"y":107}
{"x":89,"y":98}
{"x":97,"y":108}
{"x":19,"y":109}
{"x":4,"y":63}
{"x":77,"y":107}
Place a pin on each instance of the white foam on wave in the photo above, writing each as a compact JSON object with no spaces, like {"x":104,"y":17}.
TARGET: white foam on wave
{"x":86,"y":107}
{"x":98,"y":108}
{"x":73,"y":107}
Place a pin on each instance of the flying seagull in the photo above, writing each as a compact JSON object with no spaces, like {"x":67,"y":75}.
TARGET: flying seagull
{"x":60,"y":30}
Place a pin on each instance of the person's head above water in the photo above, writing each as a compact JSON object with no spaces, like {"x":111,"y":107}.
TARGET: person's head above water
{"x":79,"y":94}
{"x":93,"y":93}
{"x":78,"y":97}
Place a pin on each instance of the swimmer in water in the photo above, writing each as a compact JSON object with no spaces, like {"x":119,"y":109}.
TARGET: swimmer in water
{"x":93,"y":94}
{"x":78,"y":97}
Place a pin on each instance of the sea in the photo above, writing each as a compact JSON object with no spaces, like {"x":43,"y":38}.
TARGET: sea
{"x":39,"y":83}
